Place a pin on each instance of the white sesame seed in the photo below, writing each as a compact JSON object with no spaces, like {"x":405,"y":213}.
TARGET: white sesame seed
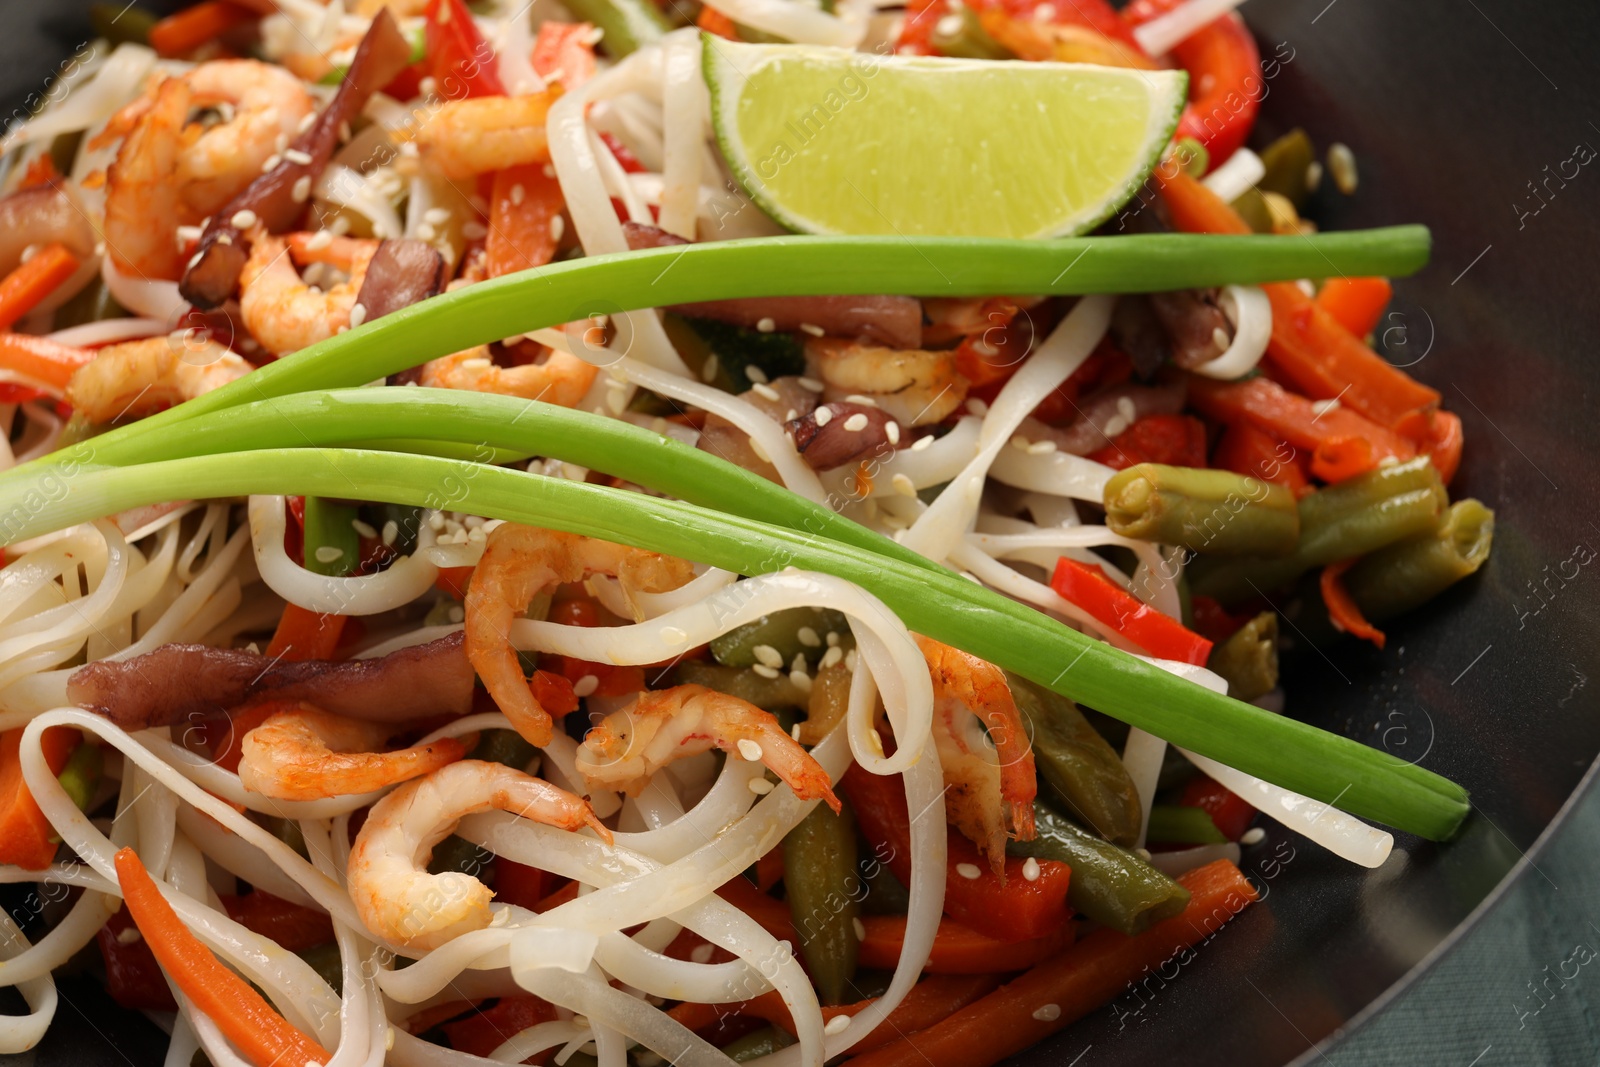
{"x":365,"y":529}
{"x":1115,"y":425}
{"x":1342,"y":165}
{"x":474,"y":230}
{"x":903,"y":485}
{"x":437,"y":215}
{"x":812,"y":329}
{"x":588,"y":683}
{"x":749,"y":749}
{"x":700,"y":953}
{"x":128,"y":936}
{"x":1219,"y":337}
{"x":833,"y":639}
{"x":518,"y":194}
{"x":759,"y":786}
{"x":969,"y":871}
{"x":768,"y":655}
{"x":823,"y":415}
{"x":850,"y":660}
{"x":810,"y":384}
{"x":301,"y":191}
{"x":837,"y":1025}
{"x":320,"y":239}
{"x":763,"y":390}
{"x":708,"y":369}
{"x":891,"y":430}
{"x":1030,"y":869}
{"x":270,"y":162}
{"x":243,"y":220}
{"x":558,"y":226}
{"x":305,"y":122}
{"x":224,"y":238}
{"x":856,"y":423}
{"x":766,"y":324}
{"x":1048,"y":1013}
{"x":391,"y":530}
{"x":808,"y":637}
{"x":457,"y":613}
{"x":426,"y":232}
{"x":831,"y":657}
{"x":756,"y":374}
{"x":549,"y":170}
{"x":280,"y":143}
{"x":328,"y":553}
{"x":800,"y":680}
{"x":1322,"y":407}
{"x":765,"y":671}
{"x":922,"y":443}
{"x":436,"y":521}
{"x":860,"y":928}
{"x":948,"y":26}
{"x":791,"y":415}
{"x":294,"y":155}
{"x":977,"y":407}
{"x":1253,"y":836}
{"x":1041,"y":448}
{"x":194,"y":259}
{"x":358,"y":314}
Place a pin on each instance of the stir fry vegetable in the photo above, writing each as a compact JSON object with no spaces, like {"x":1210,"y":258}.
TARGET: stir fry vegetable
{"x":1202,"y":510}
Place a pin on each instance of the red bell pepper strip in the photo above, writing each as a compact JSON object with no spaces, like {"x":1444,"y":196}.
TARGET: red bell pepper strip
{"x":1225,"y":83}
{"x":564,"y":52}
{"x":611,"y":680}
{"x":517,"y":883}
{"x":460,"y":60}
{"x":304,"y":634}
{"x":133,"y":977}
{"x":25,"y":834}
{"x":1214,"y":622}
{"x":523,"y":205}
{"x":1248,"y":450}
{"x":1176,"y":440}
{"x":1230,"y":814}
{"x":1013,"y":910}
{"x":1160,"y":635}
{"x":293,"y":926}
{"x":1342,"y":610}
{"x":484,"y":1031}
{"x":1341,"y":443}
{"x":1107,"y":365}
{"x":1355,"y":303}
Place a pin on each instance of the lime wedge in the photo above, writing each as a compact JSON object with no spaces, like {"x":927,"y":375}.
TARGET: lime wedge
{"x":839,"y":142}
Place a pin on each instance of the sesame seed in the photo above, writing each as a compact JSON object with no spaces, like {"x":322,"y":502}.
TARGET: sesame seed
{"x":588,"y":683}
{"x":280,"y":143}
{"x":765,"y":391}
{"x":1030,"y":869}
{"x":328,"y":553}
{"x":808,"y":637}
{"x":860,"y":928}
{"x":800,"y":680}
{"x":1219,"y":337}
{"x":756,"y":374}
{"x":1126,"y":409}
{"x":224,"y":238}
{"x":457,"y":613}
{"x":1041,"y":448}
{"x":558,"y":226}
{"x":794,"y":731}
{"x":1313,"y":176}
{"x":810,"y":385}
{"x":1116,"y":425}
{"x":195,"y":259}
{"x":1048,"y":1013}
{"x":436,"y":521}
{"x":294,"y":155}
{"x":437,"y":215}
{"x":301,"y":190}
{"x":270,"y":162}
{"x":766,"y":324}
{"x":549,"y":170}
{"x":700,"y":953}
{"x":977,"y":407}
{"x":831,"y":657}
{"x":948,"y":26}
{"x":833,"y":639}
{"x":850,"y":659}
{"x":759,"y":786}
{"x":365,"y":529}
{"x":823,"y":415}
{"x":426,"y":232}
{"x":518,"y":194}
{"x":708,"y":369}
{"x":791,"y":415}
{"x":903,"y":485}
{"x":891,"y":430}
{"x":305,"y":122}
{"x":473,"y":230}
{"x":243,"y":220}
{"x":673,"y":636}
{"x":768,"y":655}
{"x":812,"y":329}
{"x":749,"y":749}
{"x":1253,"y":836}
{"x":921,"y":443}
{"x":391,"y":530}
{"x":856,"y":423}
{"x":358,"y":314}
{"x":128,"y":936}
{"x":837,"y":1025}
{"x":765,"y":671}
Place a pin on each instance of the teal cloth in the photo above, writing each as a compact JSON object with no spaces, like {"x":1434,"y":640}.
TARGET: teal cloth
{"x":1479,"y":1007}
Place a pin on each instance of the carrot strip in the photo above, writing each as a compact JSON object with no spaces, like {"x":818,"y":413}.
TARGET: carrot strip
{"x":33,"y":280}
{"x":1246,"y":450}
{"x":1437,"y":434}
{"x":958,"y":949}
{"x":25,"y":834}
{"x":40,"y":359}
{"x":182,"y":32}
{"x":1078,"y":981}
{"x":523,"y":207}
{"x":1342,"y":610}
{"x":1341,"y":442}
{"x":265,"y":1038}
{"x":1355,"y":303}
{"x":715,"y":22}
{"x":1309,"y":347}
{"x":303,"y":634}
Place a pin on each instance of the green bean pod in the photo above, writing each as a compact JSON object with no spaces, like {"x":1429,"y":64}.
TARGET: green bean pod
{"x":503,"y":746}
{"x":330,"y":532}
{"x":81,"y":776}
{"x":823,"y":886}
{"x":1177,"y":824}
{"x":1213,"y":511}
{"x":790,"y":633}
{"x":624,"y":24}
{"x":762,"y":1042}
{"x":1110,"y":885}
{"x":1403,"y":576}
{"x":1076,"y":764}
{"x":1248,"y":661}
{"x":769,"y":694}
{"x":1353,"y":518}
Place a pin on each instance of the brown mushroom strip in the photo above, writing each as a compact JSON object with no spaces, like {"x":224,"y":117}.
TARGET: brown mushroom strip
{"x":1195,"y":325}
{"x":846,"y":434}
{"x":401,"y":273}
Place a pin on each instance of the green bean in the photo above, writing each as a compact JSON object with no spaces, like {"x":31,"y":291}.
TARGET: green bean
{"x":1248,"y":660}
{"x":1288,"y":163}
{"x":736,"y":350}
{"x":1212,"y":511}
{"x":769,"y":694}
{"x":1252,"y":207}
{"x":503,"y":746}
{"x":1394,"y":580}
{"x":91,"y":304}
{"x":819,"y":876}
{"x":789,"y":633}
{"x":1109,"y":884}
{"x":81,"y":776}
{"x":1192,"y":156}
{"x":122,"y":24}
{"x":331,"y":543}
{"x":1076,"y":764}
{"x":885,"y":894}
{"x":325,"y":960}
{"x":456,"y":853}
{"x":1177,"y":824}
{"x":624,"y":24}
{"x":288,"y":831}
{"x":968,"y":40}
{"x":753,"y":1046}
{"x":1350,"y":519}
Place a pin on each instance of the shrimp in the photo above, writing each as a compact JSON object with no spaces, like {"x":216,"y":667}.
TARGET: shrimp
{"x":986,"y":786}
{"x":916,"y":388}
{"x":172,"y":170}
{"x":305,"y":753}
{"x":394,"y":894}
{"x":473,"y":136}
{"x":668,"y":724}
{"x":518,"y":563}
{"x":280,"y":309}
{"x":562,"y":379}
{"x":138,"y":378}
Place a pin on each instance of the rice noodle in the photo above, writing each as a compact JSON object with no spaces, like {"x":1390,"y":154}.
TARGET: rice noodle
{"x":1163,"y":33}
{"x":405,"y":579}
{"x":151,"y":298}
{"x":108,"y":331}
{"x":1237,"y":176}
{"x":684,"y":97}
{"x":115,"y":83}
{"x":20,"y":1033}
{"x":1248,"y":308}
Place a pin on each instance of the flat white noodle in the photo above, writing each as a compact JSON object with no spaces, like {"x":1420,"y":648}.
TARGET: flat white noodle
{"x":19,"y":1033}
{"x":405,"y":580}
{"x":684,"y":98}
{"x":1248,"y":308}
{"x":150,"y":298}
{"x":115,"y":83}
